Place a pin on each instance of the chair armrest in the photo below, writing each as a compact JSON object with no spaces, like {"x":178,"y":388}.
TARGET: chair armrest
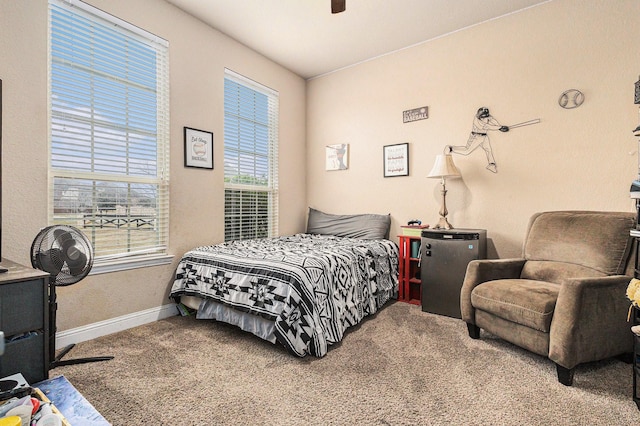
{"x":480,"y":271}
{"x":590,"y":320}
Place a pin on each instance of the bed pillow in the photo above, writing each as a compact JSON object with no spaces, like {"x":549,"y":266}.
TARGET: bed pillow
{"x":366,"y":226}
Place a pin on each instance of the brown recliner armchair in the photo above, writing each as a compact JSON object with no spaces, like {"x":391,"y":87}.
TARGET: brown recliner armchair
{"x":566,"y":297}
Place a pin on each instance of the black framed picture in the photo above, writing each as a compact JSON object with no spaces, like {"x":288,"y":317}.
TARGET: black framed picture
{"x":198,"y":148}
{"x":396,"y":160}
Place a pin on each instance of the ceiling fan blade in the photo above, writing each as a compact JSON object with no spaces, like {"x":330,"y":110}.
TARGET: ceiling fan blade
{"x":338,"y":6}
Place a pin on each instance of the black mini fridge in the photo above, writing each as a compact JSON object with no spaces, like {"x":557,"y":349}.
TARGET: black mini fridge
{"x":443,"y":263}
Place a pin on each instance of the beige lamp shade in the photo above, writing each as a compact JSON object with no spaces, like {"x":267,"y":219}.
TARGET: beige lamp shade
{"x":444,"y":167}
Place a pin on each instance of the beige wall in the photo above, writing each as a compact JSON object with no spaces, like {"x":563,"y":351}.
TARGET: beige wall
{"x":198,"y":57}
{"x":517,"y":66}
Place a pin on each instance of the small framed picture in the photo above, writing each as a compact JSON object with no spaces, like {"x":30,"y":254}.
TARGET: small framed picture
{"x":198,"y":148}
{"x":396,"y":160}
{"x":337,"y":157}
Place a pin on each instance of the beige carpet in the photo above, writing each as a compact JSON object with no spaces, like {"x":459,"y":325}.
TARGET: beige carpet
{"x":401,"y":367}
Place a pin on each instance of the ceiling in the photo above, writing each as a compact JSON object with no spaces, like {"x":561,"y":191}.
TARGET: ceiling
{"x":305,"y":37}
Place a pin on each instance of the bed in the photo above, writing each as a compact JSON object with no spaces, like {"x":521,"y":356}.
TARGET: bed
{"x":302,"y":291}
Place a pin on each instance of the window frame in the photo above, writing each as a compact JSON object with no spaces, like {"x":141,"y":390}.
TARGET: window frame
{"x":158,"y":182}
{"x":245,"y":189}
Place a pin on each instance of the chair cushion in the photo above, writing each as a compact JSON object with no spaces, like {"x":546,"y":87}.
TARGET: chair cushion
{"x":596,"y":240}
{"x":555,"y":272}
{"x":526,"y":302}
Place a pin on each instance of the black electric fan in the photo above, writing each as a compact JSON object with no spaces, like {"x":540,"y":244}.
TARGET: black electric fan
{"x":67,"y":255}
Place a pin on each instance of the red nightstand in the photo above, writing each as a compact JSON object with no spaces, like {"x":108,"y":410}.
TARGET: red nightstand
{"x":409,"y":282}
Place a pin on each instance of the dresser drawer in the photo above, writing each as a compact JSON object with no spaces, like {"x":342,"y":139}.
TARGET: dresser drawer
{"x":25,"y":356}
{"x":22,"y":307}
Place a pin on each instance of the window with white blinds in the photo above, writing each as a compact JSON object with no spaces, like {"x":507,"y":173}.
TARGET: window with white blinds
{"x":250,"y":159}
{"x":109,"y":132}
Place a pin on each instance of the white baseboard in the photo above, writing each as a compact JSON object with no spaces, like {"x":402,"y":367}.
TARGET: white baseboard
{"x":102,"y":328}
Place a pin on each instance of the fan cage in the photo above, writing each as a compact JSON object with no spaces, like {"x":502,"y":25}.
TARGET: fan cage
{"x":47,"y":246}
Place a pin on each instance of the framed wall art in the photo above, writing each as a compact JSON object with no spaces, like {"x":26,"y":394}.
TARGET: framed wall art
{"x":198,"y":148}
{"x":337,"y":157}
{"x":396,"y":160}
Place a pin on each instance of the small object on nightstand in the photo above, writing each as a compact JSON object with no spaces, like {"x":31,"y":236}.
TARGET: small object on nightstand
{"x":413,"y":230}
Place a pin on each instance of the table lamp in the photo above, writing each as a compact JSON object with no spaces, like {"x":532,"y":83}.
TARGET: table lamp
{"x":444,"y":168}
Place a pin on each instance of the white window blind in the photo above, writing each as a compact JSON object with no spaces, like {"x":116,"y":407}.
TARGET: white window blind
{"x":250,"y":159}
{"x":109,"y":131}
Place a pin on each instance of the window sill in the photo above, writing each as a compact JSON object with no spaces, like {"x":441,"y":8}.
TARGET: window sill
{"x":107,"y":266}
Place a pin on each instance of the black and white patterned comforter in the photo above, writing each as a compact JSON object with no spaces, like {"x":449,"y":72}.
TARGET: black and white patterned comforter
{"x":312,"y":286}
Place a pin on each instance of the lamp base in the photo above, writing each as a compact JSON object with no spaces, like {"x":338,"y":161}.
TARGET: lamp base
{"x":443,"y":223}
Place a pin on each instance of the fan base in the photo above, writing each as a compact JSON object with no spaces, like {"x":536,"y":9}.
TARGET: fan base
{"x":57,"y":362}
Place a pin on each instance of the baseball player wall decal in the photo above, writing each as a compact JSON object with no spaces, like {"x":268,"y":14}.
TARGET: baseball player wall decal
{"x":484,"y":122}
